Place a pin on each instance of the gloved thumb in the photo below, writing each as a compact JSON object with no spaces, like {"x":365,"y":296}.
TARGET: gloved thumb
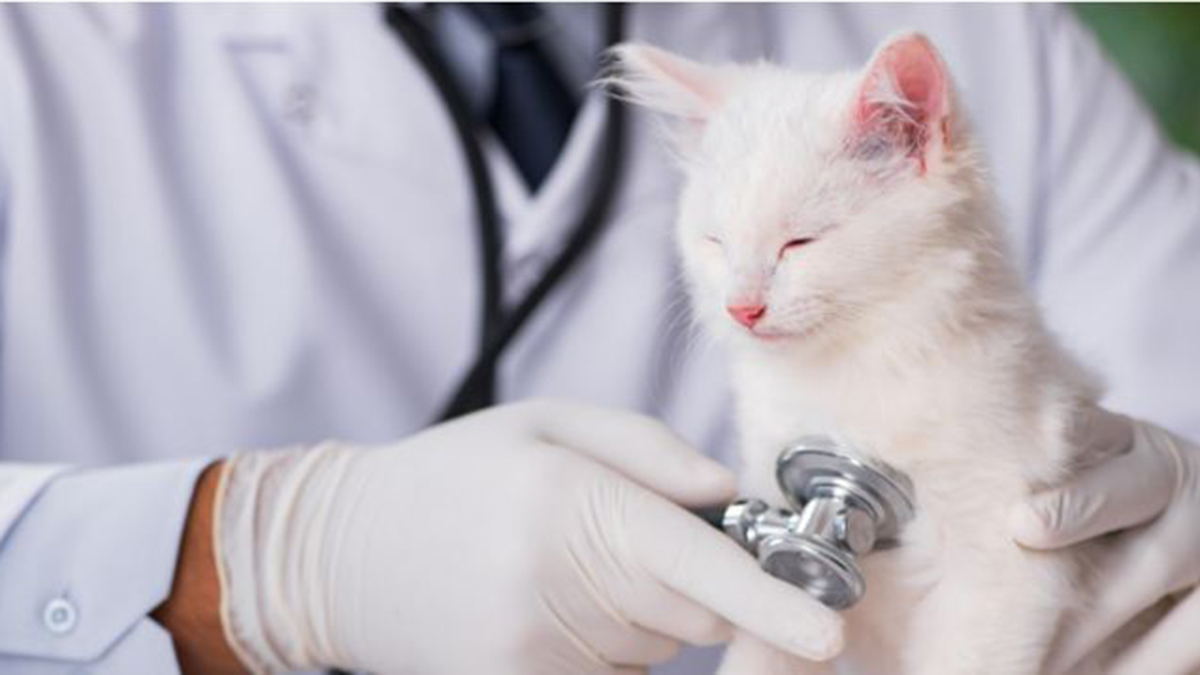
{"x":702,"y":564}
{"x":1115,"y":494}
{"x":638,"y":447}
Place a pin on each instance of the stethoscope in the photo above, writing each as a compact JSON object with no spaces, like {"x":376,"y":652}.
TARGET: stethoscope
{"x":476,"y":390}
{"x":843,"y":508}
{"x":501,"y":324}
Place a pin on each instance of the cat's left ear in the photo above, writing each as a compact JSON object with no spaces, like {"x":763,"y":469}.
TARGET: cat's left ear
{"x":665,"y":82}
{"x":904,"y":102}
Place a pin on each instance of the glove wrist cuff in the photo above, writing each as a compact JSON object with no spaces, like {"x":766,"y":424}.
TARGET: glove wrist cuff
{"x":236,"y":622}
{"x":272,"y":518}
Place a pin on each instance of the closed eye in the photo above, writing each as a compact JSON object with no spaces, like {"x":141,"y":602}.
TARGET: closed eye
{"x":711,"y":239}
{"x":794,"y":244}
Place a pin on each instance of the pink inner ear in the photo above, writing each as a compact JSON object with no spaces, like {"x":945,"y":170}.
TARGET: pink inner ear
{"x":903,"y":97}
{"x":692,"y":77}
{"x":918,"y":75}
{"x":668,"y":83}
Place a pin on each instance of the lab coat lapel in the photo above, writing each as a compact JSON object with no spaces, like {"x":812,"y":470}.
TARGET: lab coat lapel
{"x":539,"y":225}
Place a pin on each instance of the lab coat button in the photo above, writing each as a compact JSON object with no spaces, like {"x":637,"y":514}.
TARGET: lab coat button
{"x":59,"y":616}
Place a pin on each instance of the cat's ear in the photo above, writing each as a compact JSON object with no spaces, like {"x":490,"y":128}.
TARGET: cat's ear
{"x":903,"y":102}
{"x":665,"y":82}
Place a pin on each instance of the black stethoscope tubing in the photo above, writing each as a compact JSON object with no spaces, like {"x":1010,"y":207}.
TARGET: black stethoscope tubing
{"x":476,"y":389}
{"x":499,"y":327}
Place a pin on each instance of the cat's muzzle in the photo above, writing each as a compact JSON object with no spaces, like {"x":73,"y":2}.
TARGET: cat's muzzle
{"x":844,"y":508}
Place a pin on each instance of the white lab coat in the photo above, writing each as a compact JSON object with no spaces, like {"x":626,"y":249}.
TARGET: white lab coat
{"x":227,"y":227}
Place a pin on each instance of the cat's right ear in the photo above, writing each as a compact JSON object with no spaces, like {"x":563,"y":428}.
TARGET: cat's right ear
{"x":904,"y":104}
{"x":665,"y":82}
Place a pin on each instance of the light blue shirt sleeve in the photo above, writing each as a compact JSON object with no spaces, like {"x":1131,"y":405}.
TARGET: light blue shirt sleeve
{"x":80,"y":570}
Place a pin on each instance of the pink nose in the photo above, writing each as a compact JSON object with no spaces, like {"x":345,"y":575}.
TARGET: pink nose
{"x":747,"y":315}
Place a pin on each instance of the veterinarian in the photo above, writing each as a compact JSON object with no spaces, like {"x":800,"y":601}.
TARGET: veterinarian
{"x":229,"y":233}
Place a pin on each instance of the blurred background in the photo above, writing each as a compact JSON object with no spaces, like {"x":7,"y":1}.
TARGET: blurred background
{"x":1158,"y":47}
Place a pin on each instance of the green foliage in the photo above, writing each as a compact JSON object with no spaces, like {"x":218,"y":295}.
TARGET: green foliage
{"x":1158,"y":47}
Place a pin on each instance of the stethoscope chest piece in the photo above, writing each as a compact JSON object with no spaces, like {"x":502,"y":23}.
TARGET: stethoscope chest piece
{"x":844,"y":508}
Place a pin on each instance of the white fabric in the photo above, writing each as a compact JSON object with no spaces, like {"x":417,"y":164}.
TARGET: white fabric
{"x":1153,"y":481}
{"x":245,"y":226}
{"x":529,"y":528}
{"x":99,"y":543}
{"x":144,"y":642}
{"x":20,"y":483}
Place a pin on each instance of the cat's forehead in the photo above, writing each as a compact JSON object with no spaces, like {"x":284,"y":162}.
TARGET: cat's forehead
{"x":770,"y":108}
{"x":772,"y":154}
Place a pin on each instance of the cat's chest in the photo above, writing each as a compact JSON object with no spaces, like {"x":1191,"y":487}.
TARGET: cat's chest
{"x":869,"y":418}
{"x":918,"y":427}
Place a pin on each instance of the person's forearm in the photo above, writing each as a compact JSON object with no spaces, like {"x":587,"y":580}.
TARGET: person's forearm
{"x":192,"y":612}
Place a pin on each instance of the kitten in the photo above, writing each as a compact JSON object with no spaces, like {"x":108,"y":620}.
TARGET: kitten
{"x":839,"y":233}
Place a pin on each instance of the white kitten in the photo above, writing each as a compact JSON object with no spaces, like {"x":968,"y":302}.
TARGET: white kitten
{"x":838,"y":231}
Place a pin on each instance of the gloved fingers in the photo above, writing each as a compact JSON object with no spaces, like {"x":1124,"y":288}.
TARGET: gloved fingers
{"x":1137,"y":572}
{"x":639,"y":647}
{"x":1118,"y":493}
{"x":704,"y":565}
{"x":604,"y":645}
{"x":1099,"y":434}
{"x":638,"y":447}
{"x":1170,"y":647}
{"x":669,"y":613}
{"x":747,"y":655}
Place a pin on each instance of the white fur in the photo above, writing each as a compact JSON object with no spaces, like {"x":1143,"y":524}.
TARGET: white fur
{"x":903,"y":329}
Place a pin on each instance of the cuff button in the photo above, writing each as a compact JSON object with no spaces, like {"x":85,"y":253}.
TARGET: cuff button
{"x":59,"y":616}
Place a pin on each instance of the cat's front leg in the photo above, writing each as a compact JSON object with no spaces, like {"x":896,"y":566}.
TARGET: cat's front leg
{"x":992,"y":612}
{"x":747,"y":655}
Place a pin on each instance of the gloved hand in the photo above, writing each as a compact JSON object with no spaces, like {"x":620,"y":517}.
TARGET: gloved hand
{"x":532,"y":538}
{"x":1148,"y":490}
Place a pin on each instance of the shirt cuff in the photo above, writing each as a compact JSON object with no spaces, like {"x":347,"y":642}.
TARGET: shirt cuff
{"x":90,"y":558}
{"x":19,"y":484}
{"x":145,"y":648}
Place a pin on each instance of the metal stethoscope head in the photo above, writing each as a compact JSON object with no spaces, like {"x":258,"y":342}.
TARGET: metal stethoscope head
{"x":844,"y":508}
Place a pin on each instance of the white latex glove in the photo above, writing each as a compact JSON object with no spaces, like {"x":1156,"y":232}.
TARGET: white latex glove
{"x":533,"y":538}
{"x":1148,"y":492}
